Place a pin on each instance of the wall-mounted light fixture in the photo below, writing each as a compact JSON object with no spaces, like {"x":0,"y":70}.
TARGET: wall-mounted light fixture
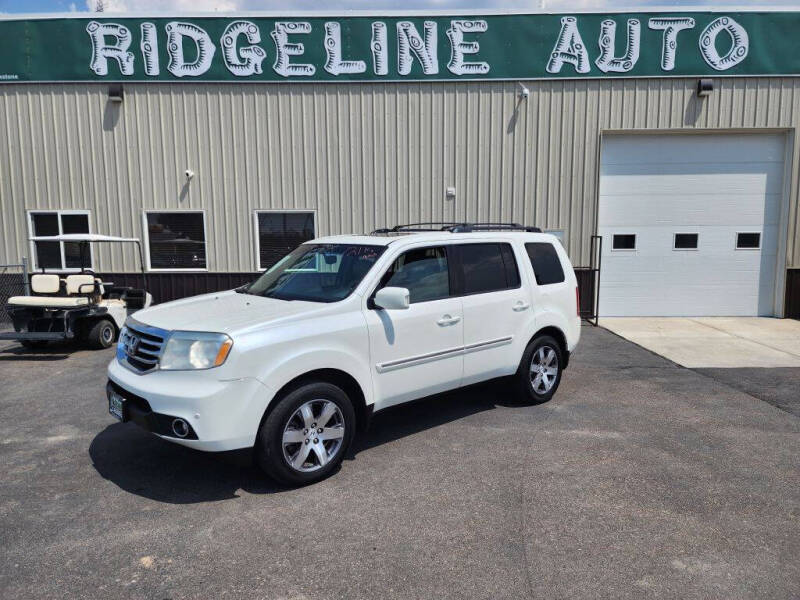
{"x":115,"y":93}
{"x":524,"y":92}
{"x":450,"y":193}
{"x":189,"y":174}
{"x":705,"y":87}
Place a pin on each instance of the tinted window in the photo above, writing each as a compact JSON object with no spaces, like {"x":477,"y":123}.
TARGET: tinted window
{"x":317,"y":272}
{"x":280,"y":233}
{"x":624,"y":241}
{"x":423,"y":271}
{"x":748,"y":240}
{"x":686,"y":241}
{"x":545,"y":262}
{"x":487,"y":267}
{"x":176,"y":240}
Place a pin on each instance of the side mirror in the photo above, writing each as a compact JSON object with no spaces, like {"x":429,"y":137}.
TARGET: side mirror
{"x":392,"y":298}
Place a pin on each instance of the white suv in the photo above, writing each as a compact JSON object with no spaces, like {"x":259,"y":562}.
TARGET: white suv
{"x":297,"y":361}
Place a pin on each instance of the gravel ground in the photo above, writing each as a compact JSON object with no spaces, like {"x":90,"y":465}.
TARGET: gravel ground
{"x":639,"y":479}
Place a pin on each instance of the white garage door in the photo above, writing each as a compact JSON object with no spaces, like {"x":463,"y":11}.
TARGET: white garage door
{"x":689,"y":224}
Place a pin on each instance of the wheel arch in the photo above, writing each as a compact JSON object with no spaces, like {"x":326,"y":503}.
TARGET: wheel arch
{"x":558,"y":335}
{"x":337,"y":377}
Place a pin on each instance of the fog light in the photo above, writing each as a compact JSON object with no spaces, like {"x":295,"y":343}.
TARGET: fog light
{"x":180,"y":428}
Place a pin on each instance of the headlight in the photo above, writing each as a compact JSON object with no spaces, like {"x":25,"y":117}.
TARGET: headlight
{"x":195,"y":350}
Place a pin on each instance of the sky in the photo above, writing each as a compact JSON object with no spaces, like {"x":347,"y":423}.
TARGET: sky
{"x":196,"y":6}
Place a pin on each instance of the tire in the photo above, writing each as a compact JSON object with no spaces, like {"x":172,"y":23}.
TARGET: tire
{"x":537,"y":378}
{"x":33,"y":344}
{"x":101,"y":334}
{"x":302,"y":462}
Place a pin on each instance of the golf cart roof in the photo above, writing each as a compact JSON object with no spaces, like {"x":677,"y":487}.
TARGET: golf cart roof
{"x":82,"y":237}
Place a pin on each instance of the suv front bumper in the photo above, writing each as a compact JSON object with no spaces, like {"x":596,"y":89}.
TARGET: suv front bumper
{"x":221,"y":414}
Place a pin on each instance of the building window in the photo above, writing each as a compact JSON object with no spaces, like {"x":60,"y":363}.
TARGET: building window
{"x":545,"y":262}
{"x":278,"y":233}
{"x":685,"y":241}
{"x":748,"y":241}
{"x":623,"y":241}
{"x":176,"y":240}
{"x":60,"y":256}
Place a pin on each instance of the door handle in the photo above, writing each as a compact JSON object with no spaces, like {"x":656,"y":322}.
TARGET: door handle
{"x":448,"y":320}
{"x":520,"y":306}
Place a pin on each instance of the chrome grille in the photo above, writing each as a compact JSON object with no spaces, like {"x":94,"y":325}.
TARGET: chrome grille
{"x":142,"y":346}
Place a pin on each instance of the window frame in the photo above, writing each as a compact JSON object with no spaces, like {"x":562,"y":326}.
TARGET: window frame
{"x":675,"y":237}
{"x":32,"y":244}
{"x":736,"y":240}
{"x":257,"y":240}
{"x":146,"y":239}
{"x":635,"y":242}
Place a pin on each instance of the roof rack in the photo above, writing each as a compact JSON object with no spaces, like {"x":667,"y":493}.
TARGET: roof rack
{"x":454,"y":227}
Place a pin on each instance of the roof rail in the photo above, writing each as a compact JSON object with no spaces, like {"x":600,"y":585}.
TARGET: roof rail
{"x":419,"y":227}
{"x":454,"y":227}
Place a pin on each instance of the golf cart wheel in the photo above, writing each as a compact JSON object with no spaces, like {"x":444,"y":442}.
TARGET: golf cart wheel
{"x":101,"y":334}
{"x":305,"y":437}
{"x":33,"y":344}
{"x":539,"y":371}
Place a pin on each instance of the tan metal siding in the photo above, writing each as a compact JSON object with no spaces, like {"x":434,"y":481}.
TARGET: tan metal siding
{"x":362,"y":156}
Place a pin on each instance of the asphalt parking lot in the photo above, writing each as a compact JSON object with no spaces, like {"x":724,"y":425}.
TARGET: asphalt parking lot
{"x":639,"y":479}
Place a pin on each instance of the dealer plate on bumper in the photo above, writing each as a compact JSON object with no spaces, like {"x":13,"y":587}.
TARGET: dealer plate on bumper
{"x":116,"y":405}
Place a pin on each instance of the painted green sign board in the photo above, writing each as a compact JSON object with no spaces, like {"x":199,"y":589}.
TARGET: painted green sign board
{"x":407,"y":48}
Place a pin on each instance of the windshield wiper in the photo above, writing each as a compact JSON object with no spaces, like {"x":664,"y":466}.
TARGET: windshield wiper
{"x":242,"y":289}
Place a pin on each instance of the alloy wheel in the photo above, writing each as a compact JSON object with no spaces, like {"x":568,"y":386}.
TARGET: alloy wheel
{"x":544,"y":369}
{"x":313,"y":435}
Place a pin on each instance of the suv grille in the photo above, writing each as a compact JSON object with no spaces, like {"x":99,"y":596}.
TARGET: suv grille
{"x":142,"y":346}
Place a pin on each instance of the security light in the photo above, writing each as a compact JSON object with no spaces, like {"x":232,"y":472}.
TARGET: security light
{"x":705,"y":87}
{"x":115,"y":92}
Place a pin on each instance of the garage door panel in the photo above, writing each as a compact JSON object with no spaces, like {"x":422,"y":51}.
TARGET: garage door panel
{"x":672,"y":179}
{"x":679,"y":209}
{"x":655,"y":196}
{"x":666,"y":149}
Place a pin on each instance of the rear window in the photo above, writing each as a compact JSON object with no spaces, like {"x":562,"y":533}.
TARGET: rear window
{"x":487,"y":267}
{"x":545,"y":262}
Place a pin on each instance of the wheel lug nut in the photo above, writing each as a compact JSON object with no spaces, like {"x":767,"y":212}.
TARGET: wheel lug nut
{"x":305,"y":431}
{"x":316,"y":440}
{"x":313,"y":425}
{"x":319,"y":430}
{"x":306,"y":440}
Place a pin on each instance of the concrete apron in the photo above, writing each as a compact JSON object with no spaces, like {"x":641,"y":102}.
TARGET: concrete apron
{"x":714,"y":342}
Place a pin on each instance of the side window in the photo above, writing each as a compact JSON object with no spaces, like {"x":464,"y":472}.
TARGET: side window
{"x":487,"y":267}
{"x":545,"y":262}
{"x":423,"y":271}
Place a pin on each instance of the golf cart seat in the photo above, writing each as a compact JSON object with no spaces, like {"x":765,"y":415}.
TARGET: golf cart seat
{"x":82,"y":289}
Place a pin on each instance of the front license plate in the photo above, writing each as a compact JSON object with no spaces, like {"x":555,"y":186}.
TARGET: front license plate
{"x":116,"y":405}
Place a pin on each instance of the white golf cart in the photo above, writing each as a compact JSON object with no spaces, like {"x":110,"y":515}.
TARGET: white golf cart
{"x":75,"y":306}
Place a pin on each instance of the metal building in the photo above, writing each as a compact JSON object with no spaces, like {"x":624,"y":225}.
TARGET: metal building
{"x":222,"y":142}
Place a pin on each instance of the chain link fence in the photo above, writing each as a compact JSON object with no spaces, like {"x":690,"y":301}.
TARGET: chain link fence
{"x":13,"y":282}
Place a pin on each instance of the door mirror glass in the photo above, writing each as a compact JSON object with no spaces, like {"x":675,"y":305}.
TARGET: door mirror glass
{"x":392,"y":298}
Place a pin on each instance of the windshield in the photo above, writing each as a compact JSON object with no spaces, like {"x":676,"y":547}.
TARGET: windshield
{"x":317,"y":272}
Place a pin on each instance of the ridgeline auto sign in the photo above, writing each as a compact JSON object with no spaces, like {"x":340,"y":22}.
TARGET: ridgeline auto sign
{"x":418,"y":48}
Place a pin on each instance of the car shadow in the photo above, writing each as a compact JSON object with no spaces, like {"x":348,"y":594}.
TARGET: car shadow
{"x":53,"y":351}
{"x":141,"y":463}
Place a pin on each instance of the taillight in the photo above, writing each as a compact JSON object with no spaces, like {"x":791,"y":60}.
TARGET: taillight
{"x":577,"y":301}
